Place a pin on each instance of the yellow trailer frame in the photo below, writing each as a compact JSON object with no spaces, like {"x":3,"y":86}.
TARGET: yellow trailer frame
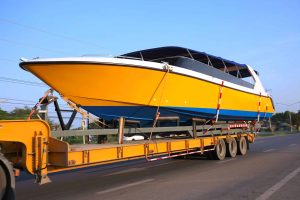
{"x":29,"y":145}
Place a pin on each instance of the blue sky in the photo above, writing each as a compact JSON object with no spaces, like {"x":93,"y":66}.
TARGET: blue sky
{"x":263,"y":34}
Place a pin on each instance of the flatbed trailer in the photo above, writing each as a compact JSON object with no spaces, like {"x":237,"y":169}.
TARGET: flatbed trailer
{"x":30,"y":145}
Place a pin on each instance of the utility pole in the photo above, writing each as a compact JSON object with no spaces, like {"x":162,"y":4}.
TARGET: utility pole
{"x":290,"y":113}
{"x":291,"y":121}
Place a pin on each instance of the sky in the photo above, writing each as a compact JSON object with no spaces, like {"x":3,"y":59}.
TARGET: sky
{"x":262,"y":34}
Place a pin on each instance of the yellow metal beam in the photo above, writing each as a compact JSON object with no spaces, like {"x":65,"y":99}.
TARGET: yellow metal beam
{"x":42,"y":154}
{"x":33,"y":135}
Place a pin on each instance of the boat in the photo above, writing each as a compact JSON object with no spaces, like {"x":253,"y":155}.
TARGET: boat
{"x":171,"y":81}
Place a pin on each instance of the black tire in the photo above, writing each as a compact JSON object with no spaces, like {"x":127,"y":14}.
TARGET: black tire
{"x":231,"y":148}
{"x":242,"y":146}
{"x":220,"y":151}
{"x":3,"y":182}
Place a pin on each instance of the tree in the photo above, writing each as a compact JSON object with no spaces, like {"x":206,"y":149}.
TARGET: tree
{"x":21,"y":114}
{"x":296,"y":119}
{"x":3,"y":114}
{"x":17,"y":113}
{"x":284,"y":117}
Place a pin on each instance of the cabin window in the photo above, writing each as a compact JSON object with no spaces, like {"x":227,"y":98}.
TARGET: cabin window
{"x":198,"y":62}
{"x":249,"y":79}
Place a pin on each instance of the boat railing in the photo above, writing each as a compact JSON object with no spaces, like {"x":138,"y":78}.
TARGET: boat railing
{"x":128,"y":57}
{"x":167,"y":57}
{"x":189,"y":55}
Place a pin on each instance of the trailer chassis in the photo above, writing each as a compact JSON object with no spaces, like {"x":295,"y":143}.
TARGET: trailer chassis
{"x":30,"y":145}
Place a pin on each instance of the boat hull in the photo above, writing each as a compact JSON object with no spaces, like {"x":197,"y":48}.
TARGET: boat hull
{"x":109,"y":91}
{"x":147,"y":113}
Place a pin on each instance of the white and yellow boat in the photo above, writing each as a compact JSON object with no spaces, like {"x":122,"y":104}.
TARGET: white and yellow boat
{"x":180,"y":81}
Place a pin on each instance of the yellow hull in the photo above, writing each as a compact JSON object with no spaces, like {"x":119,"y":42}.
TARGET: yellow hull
{"x":101,"y":85}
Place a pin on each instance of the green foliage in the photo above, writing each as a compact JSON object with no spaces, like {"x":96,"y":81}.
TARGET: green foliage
{"x":296,"y":119}
{"x":74,"y":139}
{"x":17,"y":113}
{"x":284,"y":117}
{"x":20,"y":114}
{"x":3,"y":114}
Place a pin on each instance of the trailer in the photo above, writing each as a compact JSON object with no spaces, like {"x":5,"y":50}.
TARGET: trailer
{"x":29,"y":145}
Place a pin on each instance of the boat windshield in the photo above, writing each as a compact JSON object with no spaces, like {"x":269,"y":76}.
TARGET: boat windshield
{"x":197,"y":61}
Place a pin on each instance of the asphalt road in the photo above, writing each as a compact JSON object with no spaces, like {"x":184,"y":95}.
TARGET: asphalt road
{"x":270,"y":170}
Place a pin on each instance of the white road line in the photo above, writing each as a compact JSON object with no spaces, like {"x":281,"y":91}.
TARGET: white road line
{"x":268,"y":150}
{"x":266,"y":195}
{"x":126,"y":171}
{"x":125,"y":186}
{"x":225,"y":161}
{"x":291,"y":145}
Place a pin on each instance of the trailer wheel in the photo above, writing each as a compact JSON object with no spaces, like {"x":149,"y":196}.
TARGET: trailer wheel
{"x":3,"y":182}
{"x":220,"y":151}
{"x":7,"y":179}
{"x":242,"y":146}
{"x":231,"y":148}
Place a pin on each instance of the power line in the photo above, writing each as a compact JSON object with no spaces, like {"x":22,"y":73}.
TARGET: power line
{"x":16,"y":103}
{"x":48,"y":32}
{"x":18,"y":106}
{"x":23,"y":82}
{"x":13,"y":101}
{"x":31,"y":46}
{"x":11,"y":104}
{"x":49,"y":112}
{"x":285,"y":104}
{"x":10,"y":99}
{"x":7,"y":105}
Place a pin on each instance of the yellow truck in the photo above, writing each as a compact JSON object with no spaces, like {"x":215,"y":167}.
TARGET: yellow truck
{"x":29,"y":145}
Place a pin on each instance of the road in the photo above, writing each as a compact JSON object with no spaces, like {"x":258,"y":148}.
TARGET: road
{"x":270,"y":170}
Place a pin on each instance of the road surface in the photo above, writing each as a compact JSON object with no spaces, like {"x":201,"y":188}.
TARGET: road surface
{"x":270,"y":170}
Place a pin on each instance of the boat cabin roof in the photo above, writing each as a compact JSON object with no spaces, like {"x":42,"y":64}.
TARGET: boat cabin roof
{"x":169,"y":52}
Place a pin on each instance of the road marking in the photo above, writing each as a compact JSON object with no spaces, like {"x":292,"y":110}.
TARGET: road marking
{"x":126,"y":171}
{"x":125,"y":186}
{"x":225,"y":161}
{"x":266,"y":195}
{"x":268,"y":150}
{"x":291,"y":145}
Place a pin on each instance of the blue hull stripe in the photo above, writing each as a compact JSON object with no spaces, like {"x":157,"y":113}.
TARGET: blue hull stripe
{"x":147,"y":113}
